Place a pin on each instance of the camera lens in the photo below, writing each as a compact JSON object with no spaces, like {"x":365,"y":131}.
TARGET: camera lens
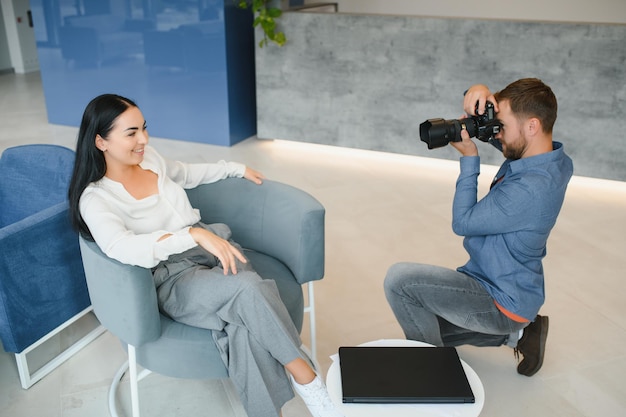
{"x":439,"y":132}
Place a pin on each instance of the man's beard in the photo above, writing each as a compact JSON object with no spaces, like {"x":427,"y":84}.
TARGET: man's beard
{"x":515,"y":150}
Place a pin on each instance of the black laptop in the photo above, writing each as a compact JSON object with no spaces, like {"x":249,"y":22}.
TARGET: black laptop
{"x":384,"y":374}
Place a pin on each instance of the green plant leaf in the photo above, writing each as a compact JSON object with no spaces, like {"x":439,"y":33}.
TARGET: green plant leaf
{"x":280,"y":39}
{"x":268,"y":26}
{"x":264,"y":16}
{"x":274,"y":12}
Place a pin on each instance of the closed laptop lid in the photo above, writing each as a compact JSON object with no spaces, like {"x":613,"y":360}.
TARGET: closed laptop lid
{"x":389,"y":374}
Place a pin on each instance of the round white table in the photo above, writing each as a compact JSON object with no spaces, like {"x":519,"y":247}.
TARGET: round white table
{"x":333,"y":382}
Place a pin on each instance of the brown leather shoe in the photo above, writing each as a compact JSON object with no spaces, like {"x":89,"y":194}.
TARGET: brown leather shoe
{"x":532,"y":346}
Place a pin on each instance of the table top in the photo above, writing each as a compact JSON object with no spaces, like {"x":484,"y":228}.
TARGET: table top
{"x":333,"y":382}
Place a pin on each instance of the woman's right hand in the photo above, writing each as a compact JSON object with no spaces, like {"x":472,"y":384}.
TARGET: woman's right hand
{"x":220,"y":248}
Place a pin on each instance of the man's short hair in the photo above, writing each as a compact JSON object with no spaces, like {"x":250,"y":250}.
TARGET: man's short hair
{"x":530,"y":97}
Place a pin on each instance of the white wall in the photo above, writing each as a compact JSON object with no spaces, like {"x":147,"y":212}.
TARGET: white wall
{"x":5,"y":57}
{"x":20,"y":36}
{"x":592,"y":11}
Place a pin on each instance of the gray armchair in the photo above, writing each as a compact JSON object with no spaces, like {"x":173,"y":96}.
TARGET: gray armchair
{"x":281,"y":230}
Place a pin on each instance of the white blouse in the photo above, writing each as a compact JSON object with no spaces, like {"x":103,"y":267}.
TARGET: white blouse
{"x":128,"y":229}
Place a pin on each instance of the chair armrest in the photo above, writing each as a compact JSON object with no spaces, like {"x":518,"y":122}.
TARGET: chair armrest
{"x":123,"y":296}
{"x":42,"y":283}
{"x":273,"y":218}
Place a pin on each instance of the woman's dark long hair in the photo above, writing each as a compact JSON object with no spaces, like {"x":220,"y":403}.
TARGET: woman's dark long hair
{"x":89,"y":165}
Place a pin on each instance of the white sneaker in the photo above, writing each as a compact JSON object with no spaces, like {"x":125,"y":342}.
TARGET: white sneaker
{"x":316,"y":398}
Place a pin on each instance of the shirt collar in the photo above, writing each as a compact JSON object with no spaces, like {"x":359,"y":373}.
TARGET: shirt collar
{"x":523,"y":164}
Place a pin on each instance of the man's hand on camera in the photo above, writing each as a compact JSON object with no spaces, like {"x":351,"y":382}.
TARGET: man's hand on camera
{"x":478,"y":93}
{"x":466,"y":146}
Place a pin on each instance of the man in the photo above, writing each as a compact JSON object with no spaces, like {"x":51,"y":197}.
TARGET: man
{"x":494,"y":298}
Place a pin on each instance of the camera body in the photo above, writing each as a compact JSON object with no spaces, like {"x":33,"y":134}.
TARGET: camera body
{"x":439,"y":132}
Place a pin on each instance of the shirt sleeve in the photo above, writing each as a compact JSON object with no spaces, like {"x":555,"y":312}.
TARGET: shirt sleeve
{"x":117,"y":242}
{"x":192,"y":175}
{"x":504,"y":209}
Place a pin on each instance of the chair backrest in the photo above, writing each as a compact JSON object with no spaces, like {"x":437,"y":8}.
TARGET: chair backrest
{"x":33,"y":178}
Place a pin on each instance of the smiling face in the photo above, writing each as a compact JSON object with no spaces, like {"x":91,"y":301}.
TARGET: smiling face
{"x":512,"y":134}
{"x":124,"y":145}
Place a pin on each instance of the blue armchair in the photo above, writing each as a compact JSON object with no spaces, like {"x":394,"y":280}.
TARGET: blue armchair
{"x":42,"y":283}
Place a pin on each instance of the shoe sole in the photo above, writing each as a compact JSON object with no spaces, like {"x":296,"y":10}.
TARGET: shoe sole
{"x":543,"y":337}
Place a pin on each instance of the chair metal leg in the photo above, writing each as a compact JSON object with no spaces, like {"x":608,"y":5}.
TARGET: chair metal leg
{"x":26,"y":378}
{"x":134,"y":390}
{"x":113,"y":388}
{"x":310,"y":308}
{"x":129,"y":366}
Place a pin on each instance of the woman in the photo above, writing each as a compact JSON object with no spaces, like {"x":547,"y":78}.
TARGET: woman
{"x":132,"y":203}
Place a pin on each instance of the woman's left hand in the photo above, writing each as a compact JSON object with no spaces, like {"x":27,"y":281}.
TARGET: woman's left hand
{"x":254,"y":176}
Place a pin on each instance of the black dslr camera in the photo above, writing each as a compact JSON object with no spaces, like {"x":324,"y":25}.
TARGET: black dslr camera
{"x":438,"y":132}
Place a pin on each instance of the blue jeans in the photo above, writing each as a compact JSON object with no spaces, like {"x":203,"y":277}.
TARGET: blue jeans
{"x":445,"y":307}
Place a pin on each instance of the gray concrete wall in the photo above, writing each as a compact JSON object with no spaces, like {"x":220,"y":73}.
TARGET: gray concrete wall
{"x":368,"y":81}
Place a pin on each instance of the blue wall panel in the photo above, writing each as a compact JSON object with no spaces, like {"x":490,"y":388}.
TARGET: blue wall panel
{"x":173,"y":58}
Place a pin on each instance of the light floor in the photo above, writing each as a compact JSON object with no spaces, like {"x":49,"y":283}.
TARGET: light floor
{"x":380,"y":209}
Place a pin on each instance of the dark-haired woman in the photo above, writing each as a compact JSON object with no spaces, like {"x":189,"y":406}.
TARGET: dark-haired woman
{"x":131,"y":202}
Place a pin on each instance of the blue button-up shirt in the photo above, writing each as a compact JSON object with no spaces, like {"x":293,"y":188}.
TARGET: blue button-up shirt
{"x":506,"y":231}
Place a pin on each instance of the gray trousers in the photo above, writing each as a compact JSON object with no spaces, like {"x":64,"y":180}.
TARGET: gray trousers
{"x":251,"y":325}
{"x":445,"y":307}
